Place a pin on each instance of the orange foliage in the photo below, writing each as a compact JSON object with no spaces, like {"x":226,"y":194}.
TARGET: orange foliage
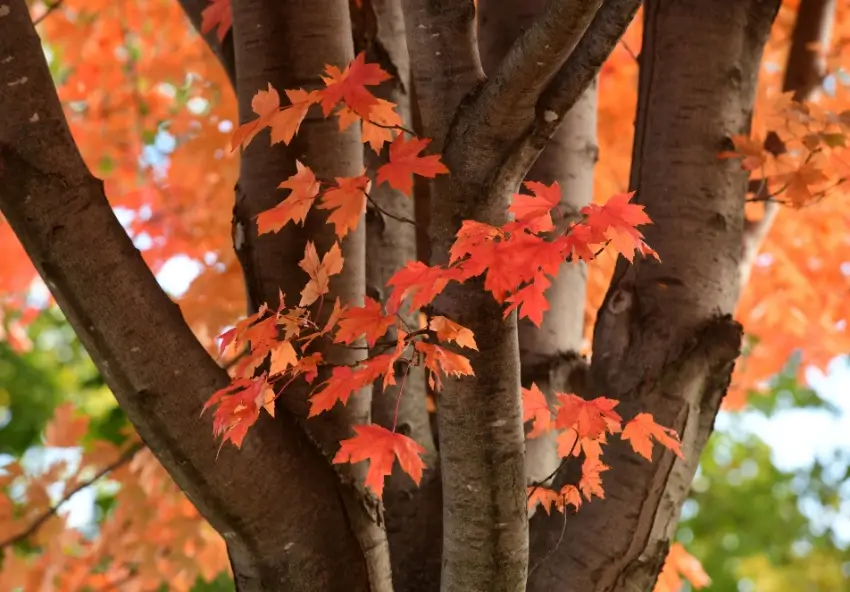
{"x":159,"y":78}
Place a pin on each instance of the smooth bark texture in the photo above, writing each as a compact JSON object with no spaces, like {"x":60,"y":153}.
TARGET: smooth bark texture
{"x":484,"y":524}
{"x":665,"y":342}
{"x":390,"y":243}
{"x":569,"y":158}
{"x":287,"y":45}
{"x":139,"y":341}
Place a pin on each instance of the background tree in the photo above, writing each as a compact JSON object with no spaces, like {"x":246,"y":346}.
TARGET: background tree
{"x":663,"y":338}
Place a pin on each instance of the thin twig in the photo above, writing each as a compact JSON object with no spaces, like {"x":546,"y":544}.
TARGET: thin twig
{"x":390,"y":214}
{"x":126,"y":457}
{"x":51,"y":8}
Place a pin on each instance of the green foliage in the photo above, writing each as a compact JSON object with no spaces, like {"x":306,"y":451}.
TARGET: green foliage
{"x":756,"y":527}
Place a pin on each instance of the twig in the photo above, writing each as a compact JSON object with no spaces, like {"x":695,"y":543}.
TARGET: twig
{"x":390,"y":214}
{"x":126,"y":457}
{"x":51,"y":8}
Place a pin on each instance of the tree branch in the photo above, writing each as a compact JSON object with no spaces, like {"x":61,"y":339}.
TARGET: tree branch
{"x":578,"y":72}
{"x":147,"y":354}
{"x":534,"y":59}
{"x":123,"y":459}
{"x":223,"y":50}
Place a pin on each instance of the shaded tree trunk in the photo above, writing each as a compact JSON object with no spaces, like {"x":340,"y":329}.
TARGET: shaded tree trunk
{"x":665,"y":341}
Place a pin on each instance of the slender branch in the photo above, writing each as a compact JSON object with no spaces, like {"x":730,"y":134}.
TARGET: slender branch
{"x":599,"y":40}
{"x":51,"y":8}
{"x":223,"y":50}
{"x":36,"y":524}
{"x":535,"y":58}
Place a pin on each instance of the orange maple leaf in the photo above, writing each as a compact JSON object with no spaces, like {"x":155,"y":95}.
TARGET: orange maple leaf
{"x":286,"y":122}
{"x":590,"y":419}
{"x":381,"y":447}
{"x":448,"y":330}
{"x":545,"y":497}
{"x":344,"y":381}
{"x":535,"y":408}
{"x":368,"y":320}
{"x":303,"y":189}
{"x":265,"y":104}
{"x":642,"y":429}
{"x":751,"y":149}
{"x":348,"y":202}
{"x":591,"y":478}
{"x":439,"y":359}
{"x":405,"y":161}
{"x":377,"y":128}
{"x":319,"y":272}
{"x":680,"y":563}
{"x":798,"y":184}
{"x":531,"y":300}
{"x":217,"y":14}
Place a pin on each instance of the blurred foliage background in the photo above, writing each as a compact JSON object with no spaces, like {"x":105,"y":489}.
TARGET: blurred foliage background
{"x":756,"y":526}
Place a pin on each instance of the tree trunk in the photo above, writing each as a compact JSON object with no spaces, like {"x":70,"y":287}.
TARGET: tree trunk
{"x":390,"y":245}
{"x":547,"y":354}
{"x":287,"y":45}
{"x":665,"y":342}
{"x":256,"y":497}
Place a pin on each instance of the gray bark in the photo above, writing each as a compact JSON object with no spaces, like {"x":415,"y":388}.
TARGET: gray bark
{"x":665,"y":342}
{"x":546,"y":354}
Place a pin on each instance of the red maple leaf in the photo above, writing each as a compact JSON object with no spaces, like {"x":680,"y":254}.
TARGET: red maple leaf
{"x":589,"y":418}
{"x":238,"y":408}
{"x":536,"y":208}
{"x":303,"y":189}
{"x":616,"y":221}
{"x":381,"y":447}
{"x":347,"y":201}
{"x":642,"y":429}
{"x":531,"y":300}
{"x":368,"y":320}
{"x":405,"y":161}
{"x":349,"y":86}
{"x":420,"y":282}
{"x":217,"y":14}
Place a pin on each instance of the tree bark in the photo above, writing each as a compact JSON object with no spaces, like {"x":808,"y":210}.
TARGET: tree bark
{"x":665,"y":342}
{"x":390,"y":244}
{"x":547,"y":354}
{"x":287,"y":45}
{"x":139,"y":341}
{"x":479,"y":125}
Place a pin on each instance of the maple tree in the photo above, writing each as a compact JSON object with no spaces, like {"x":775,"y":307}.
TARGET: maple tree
{"x":414,"y":235}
